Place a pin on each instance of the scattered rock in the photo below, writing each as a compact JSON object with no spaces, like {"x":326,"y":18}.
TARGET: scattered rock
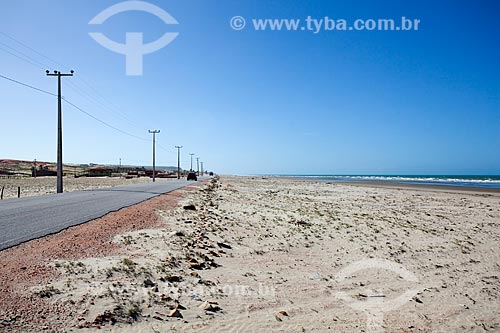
{"x":175,"y":313}
{"x":195,"y":265}
{"x":173,"y":278}
{"x":148,"y":283}
{"x":48,"y":292}
{"x":303,"y":223}
{"x":103,"y":318}
{"x":210,"y":306}
{"x":224,"y":245}
{"x":206,"y":282}
{"x":212,"y":252}
{"x":418,"y":300}
{"x":190,"y":207}
{"x":179,"y":306}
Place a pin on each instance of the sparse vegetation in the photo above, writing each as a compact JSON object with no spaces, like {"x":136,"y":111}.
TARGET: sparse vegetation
{"x":134,"y":311}
{"x":47,"y":292}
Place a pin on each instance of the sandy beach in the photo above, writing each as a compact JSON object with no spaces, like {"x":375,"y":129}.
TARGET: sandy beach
{"x":254,"y":254}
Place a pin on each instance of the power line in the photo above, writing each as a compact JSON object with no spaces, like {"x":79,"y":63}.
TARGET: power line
{"x":27,"y":85}
{"x":32,"y":49}
{"x":38,"y":63}
{"x":75,"y":106}
{"x":112,"y":107}
{"x":97,"y":103}
{"x":103,"y":122}
{"x":91,"y":95}
{"x":163,"y":148}
{"x":74,"y":86}
{"x":28,"y":61}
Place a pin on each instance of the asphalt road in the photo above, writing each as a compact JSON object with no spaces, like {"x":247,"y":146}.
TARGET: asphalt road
{"x":33,"y":217}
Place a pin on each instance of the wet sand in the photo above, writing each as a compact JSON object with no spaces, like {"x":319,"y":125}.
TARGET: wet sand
{"x":426,"y":187}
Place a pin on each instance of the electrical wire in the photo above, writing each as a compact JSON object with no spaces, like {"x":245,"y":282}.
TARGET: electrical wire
{"x":103,"y":122}
{"x":27,"y":85}
{"x":163,"y":148}
{"x":32,"y":49}
{"x":76,"y":107}
{"x":26,"y":60}
{"x":96,"y":102}
{"x":74,"y":86}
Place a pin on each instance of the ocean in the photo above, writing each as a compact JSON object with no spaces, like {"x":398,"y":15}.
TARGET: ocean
{"x":446,"y":180}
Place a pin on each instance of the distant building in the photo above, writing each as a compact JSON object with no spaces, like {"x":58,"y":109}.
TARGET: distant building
{"x":99,"y":172}
{"x":42,"y":171}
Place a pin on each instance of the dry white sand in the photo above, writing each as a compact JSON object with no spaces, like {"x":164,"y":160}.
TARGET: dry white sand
{"x":276,"y":255}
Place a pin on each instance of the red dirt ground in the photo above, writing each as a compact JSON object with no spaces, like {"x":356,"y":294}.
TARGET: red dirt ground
{"x":25,"y":265}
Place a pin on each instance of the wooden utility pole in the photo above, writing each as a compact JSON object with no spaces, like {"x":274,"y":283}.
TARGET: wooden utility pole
{"x":178,"y":161}
{"x":59,"y":128}
{"x":154,"y":158}
{"x":198,"y":166}
{"x":191,"y":169}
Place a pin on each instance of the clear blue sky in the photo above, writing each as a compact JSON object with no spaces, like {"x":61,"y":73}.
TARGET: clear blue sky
{"x":252,"y":102}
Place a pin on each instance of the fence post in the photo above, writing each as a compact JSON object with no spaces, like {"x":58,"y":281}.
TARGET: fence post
{"x":1,"y":195}
{"x":19,"y":191}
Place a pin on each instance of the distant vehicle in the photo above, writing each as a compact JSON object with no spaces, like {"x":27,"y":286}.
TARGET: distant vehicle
{"x":211,"y":174}
{"x":192,"y":176}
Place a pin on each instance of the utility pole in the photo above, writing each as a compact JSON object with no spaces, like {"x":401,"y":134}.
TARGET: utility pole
{"x":35,"y":169}
{"x":191,"y":169}
{"x":202,"y":173}
{"x":154,"y":142}
{"x":59,"y":128}
{"x":198,"y":166}
{"x":178,"y":161}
